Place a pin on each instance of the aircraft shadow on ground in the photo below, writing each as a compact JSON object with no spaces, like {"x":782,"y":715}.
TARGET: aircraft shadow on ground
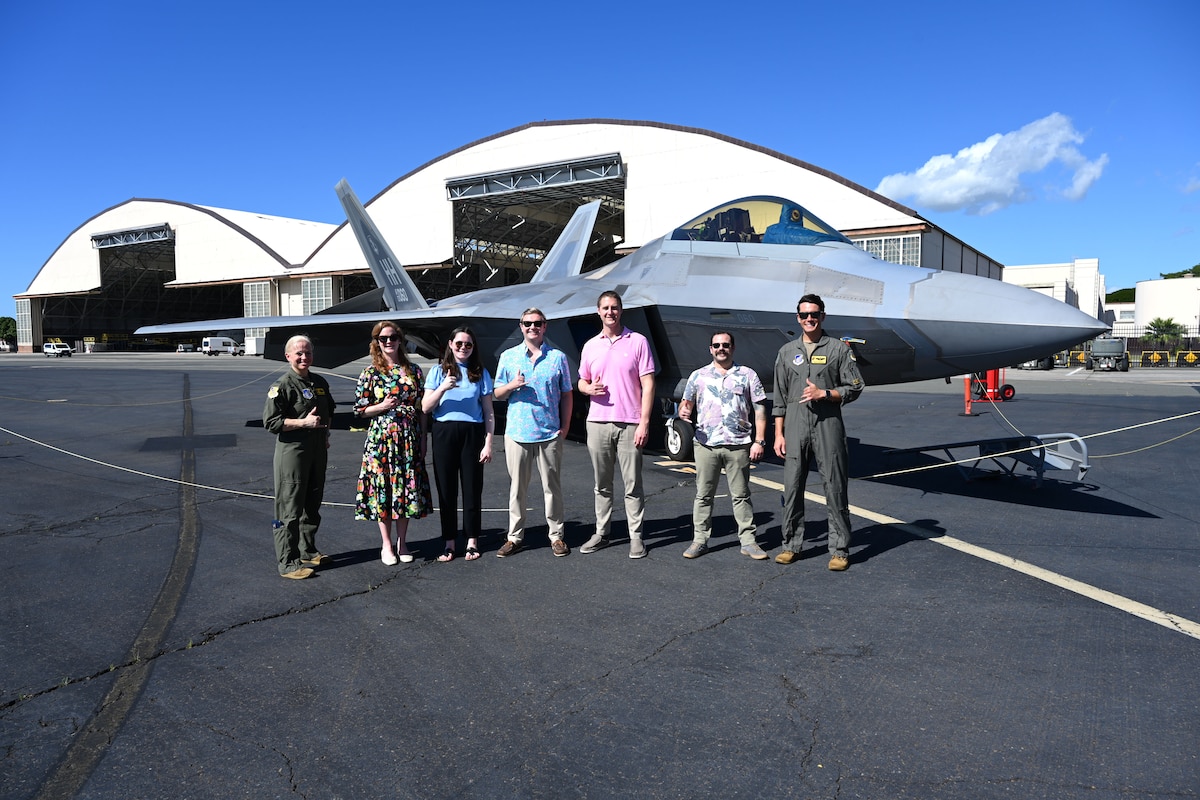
{"x":989,"y":482}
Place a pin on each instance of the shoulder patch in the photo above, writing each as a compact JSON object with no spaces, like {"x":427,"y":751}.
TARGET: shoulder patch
{"x":273,"y":392}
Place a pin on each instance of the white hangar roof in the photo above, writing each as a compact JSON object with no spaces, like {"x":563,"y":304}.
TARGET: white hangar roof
{"x":213,"y":245}
{"x":672,"y":174}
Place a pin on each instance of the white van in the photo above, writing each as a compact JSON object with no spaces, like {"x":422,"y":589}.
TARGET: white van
{"x":57,"y":349}
{"x":215,"y":345}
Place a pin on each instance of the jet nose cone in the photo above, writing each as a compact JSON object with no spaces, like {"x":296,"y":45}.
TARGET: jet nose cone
{"x":980,"y":323}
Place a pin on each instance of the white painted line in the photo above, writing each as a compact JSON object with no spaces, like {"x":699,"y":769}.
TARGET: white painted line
{"x":1149,"y":613}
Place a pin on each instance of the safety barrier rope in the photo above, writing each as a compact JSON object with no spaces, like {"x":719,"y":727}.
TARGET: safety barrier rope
{"x":178,"y":482}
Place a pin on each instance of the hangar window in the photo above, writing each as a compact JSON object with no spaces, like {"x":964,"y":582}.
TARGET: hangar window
{"x":318,"y":294}
{"x":24,"y":323}
{"x":896,"y":249}
{"x":256,"y":302}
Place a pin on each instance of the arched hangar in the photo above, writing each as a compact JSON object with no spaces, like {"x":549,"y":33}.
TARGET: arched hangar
{"x":480,"y":215}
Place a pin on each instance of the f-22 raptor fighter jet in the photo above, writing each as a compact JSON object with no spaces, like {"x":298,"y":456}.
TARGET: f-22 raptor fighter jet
{"x":741,"y":268}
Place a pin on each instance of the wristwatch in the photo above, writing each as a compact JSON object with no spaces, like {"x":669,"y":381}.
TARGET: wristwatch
{"x":761,"y":442}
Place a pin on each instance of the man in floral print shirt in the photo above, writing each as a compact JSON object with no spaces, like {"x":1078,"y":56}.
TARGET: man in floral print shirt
{"x":728,"y":403}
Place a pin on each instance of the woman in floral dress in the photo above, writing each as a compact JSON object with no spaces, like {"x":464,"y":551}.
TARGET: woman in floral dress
{"x":393,"y":486}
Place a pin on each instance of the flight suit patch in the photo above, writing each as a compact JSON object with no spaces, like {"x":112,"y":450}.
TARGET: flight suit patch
{"x":273,"y":393}
{"x":798,"y":360}
{"x":819,"y":359}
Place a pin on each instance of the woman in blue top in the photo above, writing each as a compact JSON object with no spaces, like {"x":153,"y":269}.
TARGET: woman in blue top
{"x":458,"y":394}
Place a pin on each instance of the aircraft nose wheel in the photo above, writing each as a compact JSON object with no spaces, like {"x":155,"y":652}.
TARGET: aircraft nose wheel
{"x":679,"y":439}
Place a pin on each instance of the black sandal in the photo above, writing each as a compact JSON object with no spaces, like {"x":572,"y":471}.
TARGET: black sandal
{"x":447,"y":556}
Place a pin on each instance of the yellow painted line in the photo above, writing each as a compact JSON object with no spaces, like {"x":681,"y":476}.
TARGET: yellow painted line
{"x":1141,"y":610}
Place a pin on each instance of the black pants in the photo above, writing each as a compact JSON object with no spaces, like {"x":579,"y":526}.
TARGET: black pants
{"x":456,"y":449}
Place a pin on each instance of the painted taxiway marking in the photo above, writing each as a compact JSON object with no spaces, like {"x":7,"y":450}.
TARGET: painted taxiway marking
{"x":1149,"y":613}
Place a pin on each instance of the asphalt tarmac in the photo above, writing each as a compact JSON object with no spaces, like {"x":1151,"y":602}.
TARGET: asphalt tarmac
{"x":990,"y":639}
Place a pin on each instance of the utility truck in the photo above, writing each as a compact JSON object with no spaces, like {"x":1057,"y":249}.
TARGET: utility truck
{"x":1108,"y":353}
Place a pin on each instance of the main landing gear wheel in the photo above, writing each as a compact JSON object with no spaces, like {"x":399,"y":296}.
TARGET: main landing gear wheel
{"x":679,"y":439}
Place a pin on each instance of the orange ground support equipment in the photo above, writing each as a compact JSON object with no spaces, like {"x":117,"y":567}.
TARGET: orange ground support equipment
{"x":988,"y":387}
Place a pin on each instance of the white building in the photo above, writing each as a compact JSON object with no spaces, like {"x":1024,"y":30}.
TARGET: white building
{"x":1077,"y":283}
{"x":1168,"y":298}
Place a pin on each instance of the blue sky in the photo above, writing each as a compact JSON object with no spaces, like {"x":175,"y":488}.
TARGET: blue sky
{"x":1036,"y":132}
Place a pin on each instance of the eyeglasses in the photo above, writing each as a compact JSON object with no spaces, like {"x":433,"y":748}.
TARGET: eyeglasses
{"x":721,"y":346}
{"x":532,"y":323}
{"x":463,"y":345}
{"x":809,"y":314}
{"x":394,"y":338}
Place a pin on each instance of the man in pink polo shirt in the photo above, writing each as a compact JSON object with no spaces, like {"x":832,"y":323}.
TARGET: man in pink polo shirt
{"x":616,"y":371}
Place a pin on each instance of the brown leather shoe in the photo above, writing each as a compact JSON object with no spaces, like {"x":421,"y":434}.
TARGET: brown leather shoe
{"x":299,"y":574}
{"x":508,"y":548}
{"x":786,"y":557}
{"x":559,"y":548}
{"x":839,"y":563}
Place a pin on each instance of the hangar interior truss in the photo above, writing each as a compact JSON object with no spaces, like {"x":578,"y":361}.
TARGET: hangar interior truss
{"x":506,"y":222}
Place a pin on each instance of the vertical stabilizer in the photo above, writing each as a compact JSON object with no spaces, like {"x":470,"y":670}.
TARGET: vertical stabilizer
{"x":566,"y":257}
{"x":399,"y":292}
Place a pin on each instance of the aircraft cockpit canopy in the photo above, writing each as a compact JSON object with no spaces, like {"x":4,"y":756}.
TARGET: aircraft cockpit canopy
{"x":764,"y":219}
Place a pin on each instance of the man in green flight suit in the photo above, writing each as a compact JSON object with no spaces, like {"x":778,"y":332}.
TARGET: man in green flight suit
{"x":815,"y":376}
{"x":298,"y":411}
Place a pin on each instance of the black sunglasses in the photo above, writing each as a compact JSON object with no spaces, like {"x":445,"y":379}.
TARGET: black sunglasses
{"x":387,"y":338}
{"x":809,"y":314}
{"x":463,"y":345}
{"x":533,"y":323}
{"x":721,"y":346}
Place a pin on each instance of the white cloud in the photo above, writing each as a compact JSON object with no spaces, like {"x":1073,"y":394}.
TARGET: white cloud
{"x":992,"y":174}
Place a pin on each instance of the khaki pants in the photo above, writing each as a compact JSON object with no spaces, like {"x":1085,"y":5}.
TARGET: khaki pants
{"x":734,"y":461}
{"x":609,"y":444}
{"x":520,"y":457}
